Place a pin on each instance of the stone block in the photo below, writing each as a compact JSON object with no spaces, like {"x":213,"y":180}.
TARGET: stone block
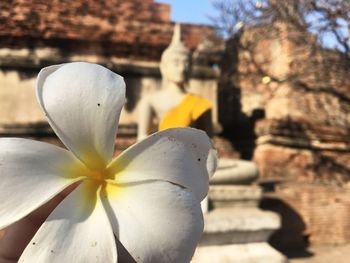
{"x":238,"y":225}
{"x":234,"y":195}
{"x":233,"y":171}
{"x":241,"y":253}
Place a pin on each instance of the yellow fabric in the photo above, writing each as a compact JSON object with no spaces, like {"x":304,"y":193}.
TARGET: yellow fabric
{"x":187,"y":111}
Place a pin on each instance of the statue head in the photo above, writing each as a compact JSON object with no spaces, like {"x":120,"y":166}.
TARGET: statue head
{"x":175,"y":60}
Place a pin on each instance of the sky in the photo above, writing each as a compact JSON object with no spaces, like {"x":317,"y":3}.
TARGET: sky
{"x":190,"y":11}
{"x":197,"y":12}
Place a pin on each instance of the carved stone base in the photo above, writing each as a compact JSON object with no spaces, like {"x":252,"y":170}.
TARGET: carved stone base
{"x":238,"y":253}
{"x":224,"y":226}
{"x":231,"y":196}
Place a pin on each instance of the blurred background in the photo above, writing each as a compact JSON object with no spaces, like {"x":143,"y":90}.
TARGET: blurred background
{"x":277,"y":73}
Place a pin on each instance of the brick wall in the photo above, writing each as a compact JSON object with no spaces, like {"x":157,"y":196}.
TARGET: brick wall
{"x":301,"y":135}
{"x":315,"y":213}
{"x":128,"y":28}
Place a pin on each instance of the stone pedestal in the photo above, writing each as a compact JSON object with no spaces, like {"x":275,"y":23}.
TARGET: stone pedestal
{"x":238,"y":225}
{"x":238,"y":253}
{"x":234,"y":171}
{"x":234,"y":196}
{"x":236,"y":230}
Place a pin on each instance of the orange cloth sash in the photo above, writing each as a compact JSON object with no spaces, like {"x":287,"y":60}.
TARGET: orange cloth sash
{"x":186,"y":112}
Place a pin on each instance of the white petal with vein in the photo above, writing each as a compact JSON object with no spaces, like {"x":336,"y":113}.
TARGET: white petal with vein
{"x":31,"y":173}
{"x":78,"y":230}
{"x":183,"y":156}
{"x":155,"y":221}
{"x":82,"y":102}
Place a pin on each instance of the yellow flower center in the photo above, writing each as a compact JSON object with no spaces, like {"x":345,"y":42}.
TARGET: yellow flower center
{"x":102,"y":178}
{"x":98,"y":175}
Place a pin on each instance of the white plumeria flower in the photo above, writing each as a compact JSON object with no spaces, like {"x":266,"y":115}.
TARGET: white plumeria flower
{"x":148,"y":198}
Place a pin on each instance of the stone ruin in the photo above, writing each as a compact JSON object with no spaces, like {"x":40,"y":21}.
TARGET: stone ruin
{"x":125,"y":36}
{"x":34,"y":34}
{"x":293,"y":96}
{"x":296,"y":131}
{"x":236,"y":229}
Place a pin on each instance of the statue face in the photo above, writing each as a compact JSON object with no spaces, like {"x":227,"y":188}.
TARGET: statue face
{"x":175,"y":68}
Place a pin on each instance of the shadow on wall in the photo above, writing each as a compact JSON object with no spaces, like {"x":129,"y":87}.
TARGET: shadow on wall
{"x":238,"y":127}
{"x":133,"y":92}
{"x":291,"y":238}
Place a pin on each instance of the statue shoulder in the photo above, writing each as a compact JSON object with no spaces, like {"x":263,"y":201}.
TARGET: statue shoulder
{"x":153,"y":100}
{"x":199,"y":99}
{"x":161,"y":96}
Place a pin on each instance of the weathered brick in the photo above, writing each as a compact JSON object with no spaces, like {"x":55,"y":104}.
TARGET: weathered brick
{"x":132,"y":28}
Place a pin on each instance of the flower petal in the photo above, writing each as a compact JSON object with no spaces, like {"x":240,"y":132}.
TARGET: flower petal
{"x":82,"y":102}
{"x":183,"y":156}
{"x":78,"y":230}
{"x":155,"y":221}
{"x":31,"y":173}
{"x":14,"y":238}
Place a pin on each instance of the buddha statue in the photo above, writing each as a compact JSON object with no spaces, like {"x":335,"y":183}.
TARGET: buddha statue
{"x":173,"y":106}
